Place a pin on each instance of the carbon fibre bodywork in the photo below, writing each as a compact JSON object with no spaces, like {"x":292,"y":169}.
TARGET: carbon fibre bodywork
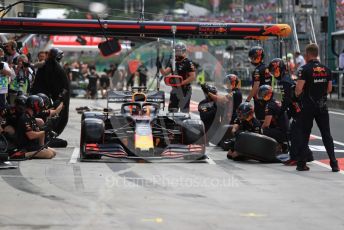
{"x":140,"y":129}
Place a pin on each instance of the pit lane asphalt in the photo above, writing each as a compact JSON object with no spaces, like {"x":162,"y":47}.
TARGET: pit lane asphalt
{"x":58,"y":194}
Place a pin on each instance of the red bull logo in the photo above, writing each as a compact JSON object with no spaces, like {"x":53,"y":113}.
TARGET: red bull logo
{"x":319,"y":69}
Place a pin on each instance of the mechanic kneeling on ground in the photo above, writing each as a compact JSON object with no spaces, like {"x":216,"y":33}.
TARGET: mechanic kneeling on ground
{"x":260,"y":76}
{"x":49,"y":116}
{"x":244,"y":122}
{"x":313,"y":84}
{"x":180,"y":96}
{"x":233,"y":91}
{"x":30,"y":138}
{"x":275,"y":123}
{"x":48,"y":111}
{"x":11,"y":115}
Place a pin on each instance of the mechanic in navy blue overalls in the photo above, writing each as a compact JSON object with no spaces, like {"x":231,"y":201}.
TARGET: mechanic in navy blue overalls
{"x":260,"y":76}
{"x":232,"y":83}
{"x":275,"y":123}
{"x":30,"y":137}
{"x":285,"y":84}
{"x":11,"y":114}
{"x":245,"y":121}
{"x":180,"y":96}
{"x":313,"y":84}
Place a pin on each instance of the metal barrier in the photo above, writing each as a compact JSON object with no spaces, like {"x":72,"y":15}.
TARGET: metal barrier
{"x":337,"y":81}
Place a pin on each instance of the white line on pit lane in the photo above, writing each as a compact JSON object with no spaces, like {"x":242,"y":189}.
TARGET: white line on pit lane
{"x":336,"y":113}
{"x":323,"y":164}
{"x":74,"y":156}
{"x":210,"y":161}
{"x":320,"y":138}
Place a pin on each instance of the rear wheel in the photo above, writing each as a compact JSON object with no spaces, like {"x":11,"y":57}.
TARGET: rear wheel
{"x":3,"y":157}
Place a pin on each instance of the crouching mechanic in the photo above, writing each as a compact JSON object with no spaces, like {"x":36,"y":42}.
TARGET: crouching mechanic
{"x":244,"y":122}
{"x":49,"y":117}
{"x":48,"y":111}
{"x":275,"y":123}
{"x":31,"y":139}
{"x":232,"y":84}
{"x":11,"y":114}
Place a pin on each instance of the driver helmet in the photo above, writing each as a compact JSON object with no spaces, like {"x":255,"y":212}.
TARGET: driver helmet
{"x":256,"y":55}
{"x":245,"y":111}
{"x":277,"y":68}
{"x":35,"y":103}
{"x":265,"y":93}
{"x":180,"y":48}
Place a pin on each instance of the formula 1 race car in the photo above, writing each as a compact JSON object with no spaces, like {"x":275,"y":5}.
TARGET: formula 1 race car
{"x":141,"y":129}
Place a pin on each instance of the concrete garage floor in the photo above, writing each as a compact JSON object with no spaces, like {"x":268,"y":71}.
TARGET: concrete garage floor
{"x":64,"y":193}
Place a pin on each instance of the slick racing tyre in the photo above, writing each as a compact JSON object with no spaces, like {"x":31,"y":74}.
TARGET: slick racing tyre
{"x":193,"y":132}
{"x":98,"y":115}
{"x":92,"y":131}
{"x":3,"y":157}
{"x":257,"y":147}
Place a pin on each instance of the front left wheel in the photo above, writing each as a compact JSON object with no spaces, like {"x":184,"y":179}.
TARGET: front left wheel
{"x":92,"y":132}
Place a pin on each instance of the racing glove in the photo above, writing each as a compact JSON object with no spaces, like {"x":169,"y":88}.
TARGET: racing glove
{"x":49,"y":124}
{"x":61,"y":98}
{"x":46,"y":128}
{"x":204,"y":88}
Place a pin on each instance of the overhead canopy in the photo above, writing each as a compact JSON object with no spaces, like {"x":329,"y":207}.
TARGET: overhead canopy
{"x":144,"y":29}
{"x":70,"y":43}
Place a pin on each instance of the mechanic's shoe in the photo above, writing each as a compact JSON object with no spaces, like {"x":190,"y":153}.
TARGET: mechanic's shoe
{"x":302,"y":167}
{"x":18,"y":155}
{"x":290,"y":162}
{"x":229,"y":156}
{"x":334,"y":166}
{"x":58,"y":143}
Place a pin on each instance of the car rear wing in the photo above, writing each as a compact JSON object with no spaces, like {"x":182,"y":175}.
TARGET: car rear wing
{"x":119,"y":28}
{"x":127,"y":96}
